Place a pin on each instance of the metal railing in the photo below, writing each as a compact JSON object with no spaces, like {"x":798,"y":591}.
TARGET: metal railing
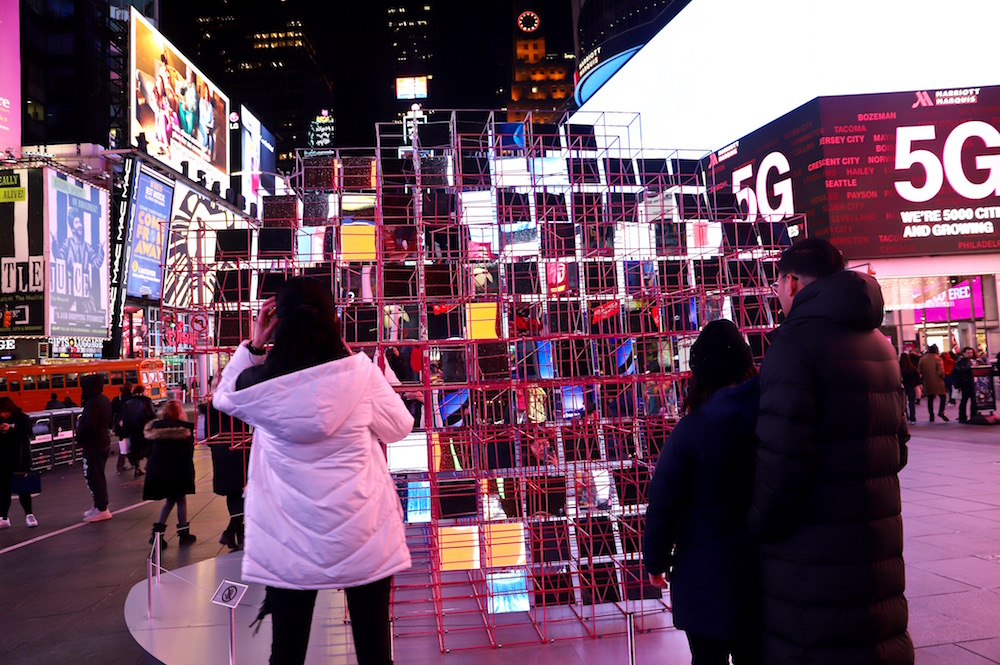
{"x":53,"y":441}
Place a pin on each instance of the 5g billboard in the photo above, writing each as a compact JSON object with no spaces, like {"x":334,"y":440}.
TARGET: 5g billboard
{"x":898,"y":174}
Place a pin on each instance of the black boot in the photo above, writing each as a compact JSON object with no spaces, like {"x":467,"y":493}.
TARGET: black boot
{"x":159,"y":528}
{"x":184,"y":535}
{"x":229,"y":536}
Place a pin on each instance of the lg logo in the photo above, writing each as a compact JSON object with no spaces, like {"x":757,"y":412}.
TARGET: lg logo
{"x":758,"y":199}
{"x":950,"y":164}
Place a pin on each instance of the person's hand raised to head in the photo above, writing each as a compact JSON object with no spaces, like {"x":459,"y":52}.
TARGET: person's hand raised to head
{"x":266,"y":321}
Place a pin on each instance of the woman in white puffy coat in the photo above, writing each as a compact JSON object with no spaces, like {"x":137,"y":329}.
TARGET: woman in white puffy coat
{"x":321,"y":508}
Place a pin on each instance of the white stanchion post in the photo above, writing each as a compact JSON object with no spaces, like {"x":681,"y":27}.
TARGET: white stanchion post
{"x":232,"y":636}
{"x":149,"y":585}
{"x":630,"y":618}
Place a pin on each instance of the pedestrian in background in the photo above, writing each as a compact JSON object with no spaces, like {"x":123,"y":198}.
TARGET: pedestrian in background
{"x":965,"y":382}
{"x":696,"y":534}
{"x":92,"y":433}
{"x":826,"y":501}
{"x":931,"y":370}
{"x":54,"y":402}
{"x":137,"y":411}
{"x":321,"y":508}
{"x":118,"y":425}
{"x":911,"y":379}
{"x":170,"y":469}
{"x":15,"y":457}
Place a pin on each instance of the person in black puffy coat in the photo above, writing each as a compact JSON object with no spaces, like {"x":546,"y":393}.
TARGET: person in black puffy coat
{"x":170,"y":469}
{"x":696,"y":532}
{"x":826,"y":503}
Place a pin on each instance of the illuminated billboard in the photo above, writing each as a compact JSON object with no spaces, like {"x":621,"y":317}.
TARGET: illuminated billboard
{"x":722,"y":68}
{"x":10,"y":76}
{"x":77,"y":217}
{"x":897,"y":174}
{"x":411,"y":87}
{"x":150,"y":229}
{"x":22,"y":253}
{"x":182,"y":113}
{"x":257,"y":158}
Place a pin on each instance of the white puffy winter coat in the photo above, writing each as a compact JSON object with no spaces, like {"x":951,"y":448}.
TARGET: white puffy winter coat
{"x":321,"y":508}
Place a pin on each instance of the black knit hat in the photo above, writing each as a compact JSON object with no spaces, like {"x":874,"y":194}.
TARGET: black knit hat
{"x":720,"y":356}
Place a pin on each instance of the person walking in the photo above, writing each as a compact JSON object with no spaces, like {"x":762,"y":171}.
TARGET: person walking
{"x":92,"y":427}
{"x":228,"y":441}
{"x":965,"y":383}
{"x":136,"y":412}
{"x":15,"y":457}
{"x":696,"y":535}
{"x":118,"y":425}
{"x":826,"y":500}
{"x":170,"y":469}
{"x":911,"y":379}
{"x":948,"y":359}
{"x":321,"y":508}
{"x":931,"y":370}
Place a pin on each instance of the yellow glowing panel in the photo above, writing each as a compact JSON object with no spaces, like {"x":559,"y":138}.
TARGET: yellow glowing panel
{"x":459,"y":547}
{"x":505,"y":545}
{"x":481,"y":319}
{"x":357,"y":242}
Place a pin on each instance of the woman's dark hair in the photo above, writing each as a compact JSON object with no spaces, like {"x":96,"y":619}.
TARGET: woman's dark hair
{"x":308,"y":330}
{"x":126,"y":389}
{"x":7,"y":405}
{"x":719,"y":357}
{"x":905,"y":362}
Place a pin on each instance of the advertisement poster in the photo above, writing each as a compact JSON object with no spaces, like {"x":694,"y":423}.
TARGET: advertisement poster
{"x":194,"y":221}
{"x":257,"y":159}
{"x":150,"y":228}
{"x":897,"y":174}
{"x":183,"y":115}
{"x":22,"y":253}
{"x":10,"y":77}
{"x":77,"y":215}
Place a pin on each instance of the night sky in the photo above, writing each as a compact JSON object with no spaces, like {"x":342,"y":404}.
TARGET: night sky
{"x":473,"y":46}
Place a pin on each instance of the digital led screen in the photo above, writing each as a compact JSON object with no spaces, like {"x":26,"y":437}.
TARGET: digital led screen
{"x":77,"y":216}
{"x":898,"y":174}
{"x":150,"y":229}
{"x":702,"y":100}
{"x":411,"y":87}
{"x":257,"y":158}
{"x":183,"y":115}
{"x":10,"y":76}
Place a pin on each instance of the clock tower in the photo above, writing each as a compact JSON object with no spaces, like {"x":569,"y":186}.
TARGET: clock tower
{"x":543,"y":66}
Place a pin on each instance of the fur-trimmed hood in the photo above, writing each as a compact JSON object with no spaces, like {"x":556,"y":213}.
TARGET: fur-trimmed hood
{"x":168,"y":430}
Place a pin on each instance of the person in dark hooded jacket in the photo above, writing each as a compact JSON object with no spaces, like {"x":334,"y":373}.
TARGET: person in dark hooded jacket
{"x":826,"y":502}
{"x":92,"y":433}
{"x":696,"y":532}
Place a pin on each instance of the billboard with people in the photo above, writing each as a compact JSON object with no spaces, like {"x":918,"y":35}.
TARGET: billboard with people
{"x":181,"y":113}
{"x":22,"y":253}
{"x":77,"y":218}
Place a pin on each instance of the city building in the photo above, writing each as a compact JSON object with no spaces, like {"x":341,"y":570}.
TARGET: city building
{"x":543,"y":59}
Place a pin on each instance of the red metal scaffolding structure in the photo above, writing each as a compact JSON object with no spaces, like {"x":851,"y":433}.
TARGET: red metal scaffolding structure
{"x":536,"y":287}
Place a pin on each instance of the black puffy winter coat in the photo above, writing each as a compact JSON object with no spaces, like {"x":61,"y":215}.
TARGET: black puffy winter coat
{"x":170,"y":469}
{"x":95,"y":420}
{"x":826,"y":504}
{"x":696,"y":521}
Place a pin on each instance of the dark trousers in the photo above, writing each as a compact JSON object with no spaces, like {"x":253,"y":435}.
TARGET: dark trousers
{"x":93,"y":471}
{"x":705,"y":651}
{"x":911,"y":403}
{"x":25,"y":499}
{"x":291,"y":620}
{"x":930,"y":404}
{"x":968,"y":401}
